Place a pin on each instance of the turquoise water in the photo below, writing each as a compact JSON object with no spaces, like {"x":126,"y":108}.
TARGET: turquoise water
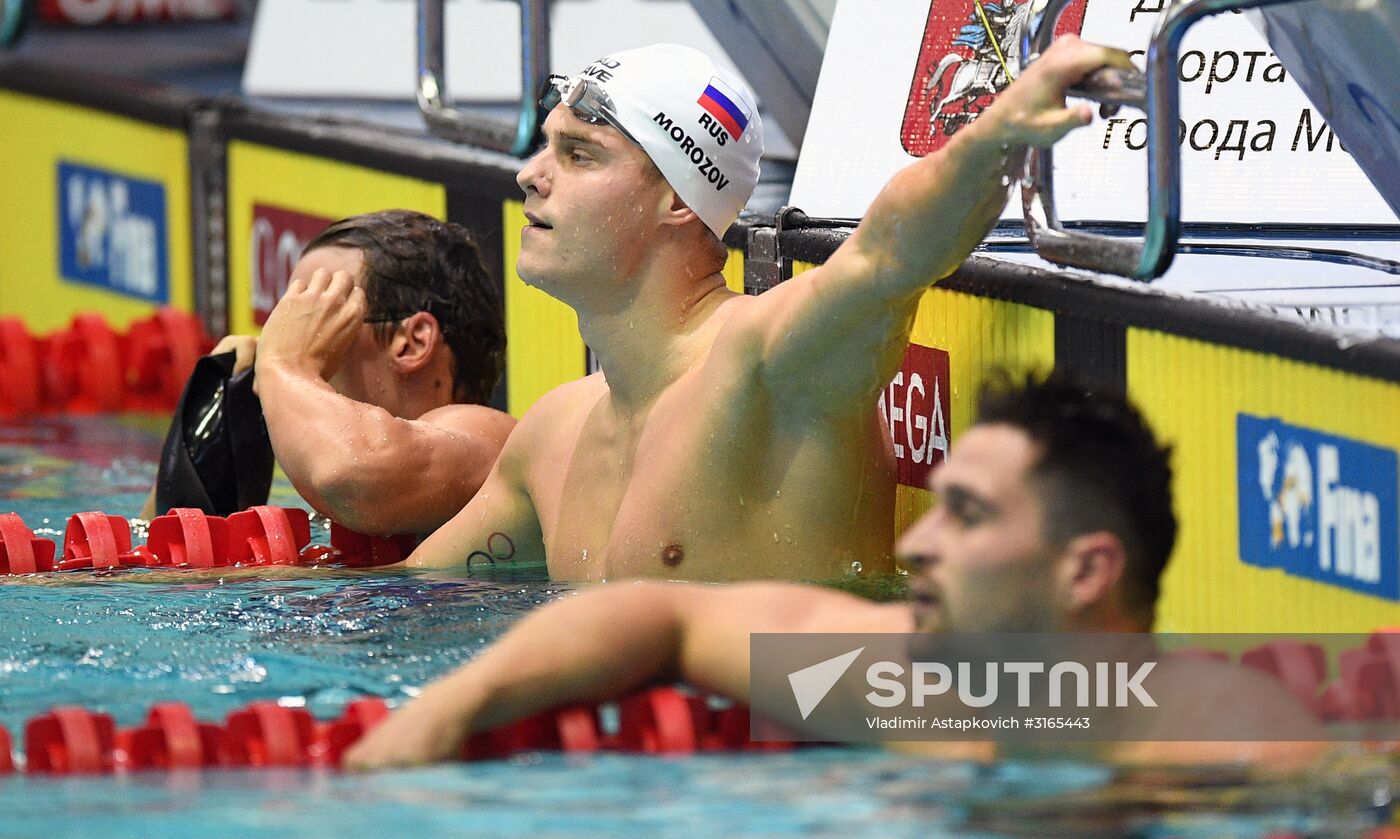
{"x":116,"y":645}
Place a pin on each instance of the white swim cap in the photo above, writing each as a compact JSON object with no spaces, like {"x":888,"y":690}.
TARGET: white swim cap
{"x":696,"y":121}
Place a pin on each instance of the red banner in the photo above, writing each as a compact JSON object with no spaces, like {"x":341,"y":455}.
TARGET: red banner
{"x":915,"y":407}
{"x":89,"y":12}
{"x":971,"y":50}
{"x":278,"y":238}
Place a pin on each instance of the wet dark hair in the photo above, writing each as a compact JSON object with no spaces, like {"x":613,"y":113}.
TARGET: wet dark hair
{"x":415,"y":263}
{"x":1099,"y":468}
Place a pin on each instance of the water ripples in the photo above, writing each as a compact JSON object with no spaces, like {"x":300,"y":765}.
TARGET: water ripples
{"x":120,"y":646}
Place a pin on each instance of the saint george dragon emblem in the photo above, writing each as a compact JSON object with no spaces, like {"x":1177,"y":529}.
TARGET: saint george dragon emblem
{"x":971,"y":51}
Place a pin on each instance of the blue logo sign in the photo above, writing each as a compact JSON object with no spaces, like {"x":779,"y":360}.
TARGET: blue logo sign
{"x":112,"y":232}
{"x":1318,"y":506}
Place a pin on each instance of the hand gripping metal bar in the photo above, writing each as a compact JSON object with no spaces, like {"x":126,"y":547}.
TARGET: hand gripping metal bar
{"x":478,"y":130}
{"x":1158,"y":95}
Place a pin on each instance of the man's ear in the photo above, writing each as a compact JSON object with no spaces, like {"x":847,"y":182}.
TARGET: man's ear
{"x":678,"y":213}
{"x":1093,"y":567}
{"x":414,"y":341}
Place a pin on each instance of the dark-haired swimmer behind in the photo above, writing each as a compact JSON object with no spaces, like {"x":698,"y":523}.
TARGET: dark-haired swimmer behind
{"x":374,"y":371}
{"x":727,"y":437}
{"x":1054,"y":515}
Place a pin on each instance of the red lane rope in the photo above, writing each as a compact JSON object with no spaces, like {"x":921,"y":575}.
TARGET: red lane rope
{"x":1368,"y":687}
{"x":89,"y":367}
{"x":20,"y":551}
{"x":190,"y":538}
{"x":70,"y":740}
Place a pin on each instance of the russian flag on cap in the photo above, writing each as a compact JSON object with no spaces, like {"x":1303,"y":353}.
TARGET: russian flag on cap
{"x":726,"y":106}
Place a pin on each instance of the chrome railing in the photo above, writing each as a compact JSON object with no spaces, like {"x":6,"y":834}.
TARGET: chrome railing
{"x":478,"y":129}
{"x":1158,"y":95}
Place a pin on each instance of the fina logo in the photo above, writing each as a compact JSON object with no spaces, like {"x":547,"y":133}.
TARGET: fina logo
{"x":112,"y":231}
{"x":1318,"y":506}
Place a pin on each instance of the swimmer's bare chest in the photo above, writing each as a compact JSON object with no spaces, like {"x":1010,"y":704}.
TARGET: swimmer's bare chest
{"x":702,"y":486}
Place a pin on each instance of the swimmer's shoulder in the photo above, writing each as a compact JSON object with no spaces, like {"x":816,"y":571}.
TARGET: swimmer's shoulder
{"x":471,"y":420}
{"x":738,"y":331}
{"x":565,"y":400}
{"x":556,"y":412}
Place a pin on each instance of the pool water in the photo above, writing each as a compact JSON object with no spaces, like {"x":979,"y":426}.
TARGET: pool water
{"x":115,"y":644}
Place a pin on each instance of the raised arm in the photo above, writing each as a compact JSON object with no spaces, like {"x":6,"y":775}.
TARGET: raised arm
{"x":601,"y":644}
{"x":358,"y":463}
{"x":849,"y":320}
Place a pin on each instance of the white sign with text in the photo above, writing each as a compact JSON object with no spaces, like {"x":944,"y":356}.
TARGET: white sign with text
{"x":1255,"y":149}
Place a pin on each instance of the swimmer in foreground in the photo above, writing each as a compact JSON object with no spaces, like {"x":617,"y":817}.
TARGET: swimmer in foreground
{"x":374,"y":369}
{"x":727,"y":436}
{"x":1054,"y":514}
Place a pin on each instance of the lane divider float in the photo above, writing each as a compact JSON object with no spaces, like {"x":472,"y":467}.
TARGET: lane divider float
{"x":89,"y":367}
{"x":70,"y":740}
{"x":1367,"y":686}
{"x":190,"y":538}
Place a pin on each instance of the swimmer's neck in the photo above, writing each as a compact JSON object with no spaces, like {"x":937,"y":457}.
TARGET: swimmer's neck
{"x":653,"y":338}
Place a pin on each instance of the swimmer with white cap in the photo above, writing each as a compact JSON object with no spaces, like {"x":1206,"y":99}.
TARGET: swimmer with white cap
{"x":726,"y":436}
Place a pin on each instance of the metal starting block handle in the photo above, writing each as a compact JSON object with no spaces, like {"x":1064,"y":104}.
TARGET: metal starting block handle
{"x":1157,"y":94}
{"x":447,"y":121}
{"x":1113,"y":88}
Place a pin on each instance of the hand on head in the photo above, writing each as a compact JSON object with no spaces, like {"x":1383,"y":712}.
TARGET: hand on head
{"x":314,"y":324}
{"x":1032,"y":110}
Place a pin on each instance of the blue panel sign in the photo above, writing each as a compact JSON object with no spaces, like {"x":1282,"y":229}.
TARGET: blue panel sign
{"x":1318,"y":506}
{"x":112,"y":232}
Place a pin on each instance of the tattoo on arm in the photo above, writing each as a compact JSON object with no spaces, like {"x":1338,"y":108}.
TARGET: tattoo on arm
{"x":498,"y":546}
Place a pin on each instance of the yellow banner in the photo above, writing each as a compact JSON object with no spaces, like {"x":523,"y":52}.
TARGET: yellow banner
{"x":1193,"y":394}
{"x":543,"y":345}
{"x":734,"y":271}
{"x":37,"y":137}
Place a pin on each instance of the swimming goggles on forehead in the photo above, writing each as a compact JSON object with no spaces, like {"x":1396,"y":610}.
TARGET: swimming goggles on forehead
{"x":585,"y":98}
